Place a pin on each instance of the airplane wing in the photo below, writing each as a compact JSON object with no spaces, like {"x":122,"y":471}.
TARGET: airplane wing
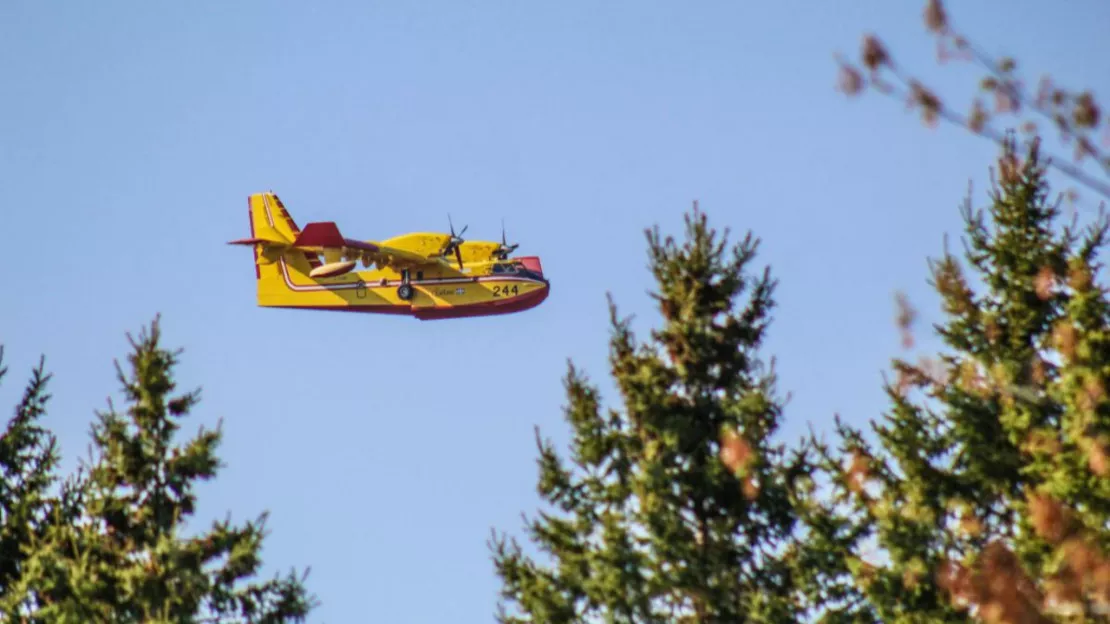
{"x":324,"y":237}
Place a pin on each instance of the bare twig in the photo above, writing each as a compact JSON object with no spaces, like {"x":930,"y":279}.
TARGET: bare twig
{"x":1077,"y":117}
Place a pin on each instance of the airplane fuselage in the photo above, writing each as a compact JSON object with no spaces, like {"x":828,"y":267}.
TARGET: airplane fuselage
{"x":435,"y":294}
{"x":437,"y":289}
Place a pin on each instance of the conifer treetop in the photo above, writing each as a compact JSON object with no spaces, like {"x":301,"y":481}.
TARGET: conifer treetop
{"x":647,"y":524}
{"x":991,"y":456}
{"x":112,"y":549}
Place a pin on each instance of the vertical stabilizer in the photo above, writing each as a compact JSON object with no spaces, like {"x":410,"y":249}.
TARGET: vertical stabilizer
{"x":272,"y":232}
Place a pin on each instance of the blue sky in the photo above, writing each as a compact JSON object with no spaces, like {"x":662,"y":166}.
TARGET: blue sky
{"x":386,"y":448}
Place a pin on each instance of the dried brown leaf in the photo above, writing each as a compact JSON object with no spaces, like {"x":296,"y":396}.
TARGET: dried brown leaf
{"x":1098,"y":458}
{"x":750,"y":488}
{"x":905,"y":317}
{"x":1050,"y":519}
{"x":850,"y":81}
{"x":1010,"y":168}
{"x":936,"y":19}
{"x":1086,"y":113}
{"x":1004,"y":101}
{"x":1092,"y":394}
{"x":858,"y":471}
{"x":1044,"y":282}
{"x":971,"y":380}
{"x":874,"y":54}
{"x":1081,"y":558}
{"x":992,"y":330}
{"x":979,"y":116}
{"x":735,"y":453}
{"x":1064,"y":337}
{"x":1038,"y":371}
{"x":930,"y":104}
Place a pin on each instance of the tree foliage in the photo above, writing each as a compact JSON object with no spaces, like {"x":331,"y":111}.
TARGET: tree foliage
{"x":108,"y":544}
{"x":987,"y":494}
{"x":982,"y":494}
{"x":28,"y":459}
{"x":676,"y":508}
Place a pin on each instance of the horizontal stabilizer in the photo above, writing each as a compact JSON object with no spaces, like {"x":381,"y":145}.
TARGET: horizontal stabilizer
{"x":267,"y":236}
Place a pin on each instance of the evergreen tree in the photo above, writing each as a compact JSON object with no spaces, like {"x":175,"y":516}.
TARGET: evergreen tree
{"x":987,"y":494}
{"x":649,"y":525}
{"x":111,"y":548}
{"x":28,"y":460}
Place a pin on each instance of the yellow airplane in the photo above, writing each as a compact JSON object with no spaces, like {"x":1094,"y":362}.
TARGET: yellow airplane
{"x":412,"y":274}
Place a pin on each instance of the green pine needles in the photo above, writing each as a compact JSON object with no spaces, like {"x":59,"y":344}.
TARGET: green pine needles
{"x":987,"y":495}
{"x":651,"y":525}
{"x":982,"y":494}
{"x":105,"y":544}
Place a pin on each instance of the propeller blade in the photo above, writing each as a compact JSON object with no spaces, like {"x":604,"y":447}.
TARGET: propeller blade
{"x":505,"y":249}
{"x":458,"y":256}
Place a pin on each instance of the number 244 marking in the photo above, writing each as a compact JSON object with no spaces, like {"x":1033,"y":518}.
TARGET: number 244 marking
{"x":505,"y":291}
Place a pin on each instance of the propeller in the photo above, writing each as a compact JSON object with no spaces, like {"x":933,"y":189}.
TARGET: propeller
{"x":505,"y":249}
{"x":454,"y":242}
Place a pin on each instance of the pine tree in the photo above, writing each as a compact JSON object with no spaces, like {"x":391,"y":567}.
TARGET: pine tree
{"x":28,"y":460}
{"x":111,"y":549}
{"x":987,"y":494}
{"x":649,"y":524}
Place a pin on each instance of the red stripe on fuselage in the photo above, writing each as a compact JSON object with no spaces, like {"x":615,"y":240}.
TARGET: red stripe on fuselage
{"x":485,"y":308}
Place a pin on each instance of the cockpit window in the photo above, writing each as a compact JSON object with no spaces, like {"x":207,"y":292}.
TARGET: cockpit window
{"x":505,"y":268}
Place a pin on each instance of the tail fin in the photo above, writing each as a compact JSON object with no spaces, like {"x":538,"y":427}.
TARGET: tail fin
{"x":273,"y":231}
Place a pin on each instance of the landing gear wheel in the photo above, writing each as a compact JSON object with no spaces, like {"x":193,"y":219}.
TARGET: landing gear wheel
{"x":404,"y":291}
